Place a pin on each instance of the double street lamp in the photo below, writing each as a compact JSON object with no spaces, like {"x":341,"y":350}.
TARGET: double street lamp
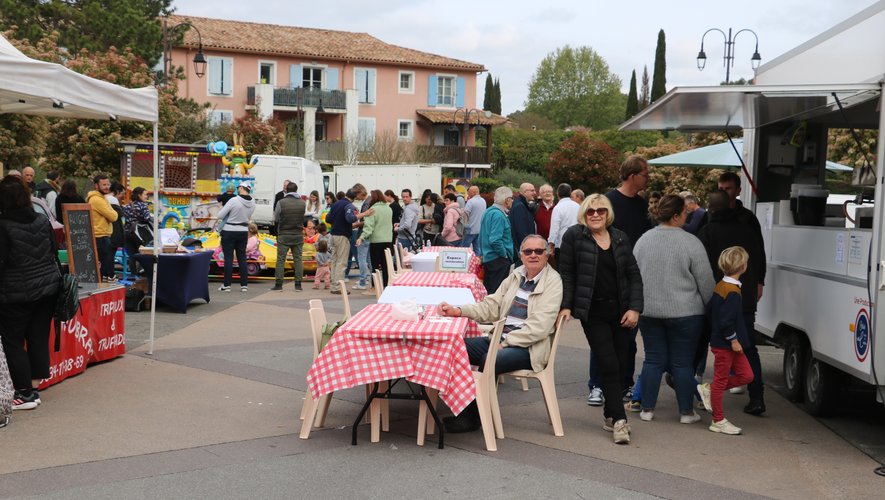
{"x":199,"y":58}
{"x":728,"y":58}
{"x":467,"y":112}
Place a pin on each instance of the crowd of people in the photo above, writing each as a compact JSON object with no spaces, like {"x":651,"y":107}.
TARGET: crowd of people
{"x":620,"y":262}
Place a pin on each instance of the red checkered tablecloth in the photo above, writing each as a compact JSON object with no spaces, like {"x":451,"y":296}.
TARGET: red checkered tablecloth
{"x":444,"y":280}
{"x":371,"y":347}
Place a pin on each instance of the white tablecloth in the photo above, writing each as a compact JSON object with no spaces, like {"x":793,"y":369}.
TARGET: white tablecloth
{"x":424,"y":262}
{"x":427,"y":295}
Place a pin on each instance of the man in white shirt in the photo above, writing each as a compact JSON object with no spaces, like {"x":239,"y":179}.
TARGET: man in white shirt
{"x":475,"y":208}
{"x":565,"y":215}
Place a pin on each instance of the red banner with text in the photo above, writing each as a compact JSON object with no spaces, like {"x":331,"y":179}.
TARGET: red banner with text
{"x":96,"y":334}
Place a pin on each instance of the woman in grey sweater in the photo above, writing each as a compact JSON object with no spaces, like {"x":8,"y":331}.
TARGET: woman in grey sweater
{"x":677,"y":283}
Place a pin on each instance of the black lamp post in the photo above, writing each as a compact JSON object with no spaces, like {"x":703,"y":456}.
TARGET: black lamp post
{"x":199,"y":59}
{"x":467,"y":112}
{"x":728,"y":58}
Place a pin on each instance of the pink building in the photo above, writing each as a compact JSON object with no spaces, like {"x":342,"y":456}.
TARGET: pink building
{"x":343,"y":90}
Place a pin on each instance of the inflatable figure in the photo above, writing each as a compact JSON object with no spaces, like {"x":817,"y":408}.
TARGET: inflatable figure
{"x":235,"y":158}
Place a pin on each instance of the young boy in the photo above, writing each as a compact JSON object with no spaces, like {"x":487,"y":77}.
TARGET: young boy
{"x":731,"y":368}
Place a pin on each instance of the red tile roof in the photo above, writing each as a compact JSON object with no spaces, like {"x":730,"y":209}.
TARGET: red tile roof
{"x":449,"y":116}
{"x":239,"y":36}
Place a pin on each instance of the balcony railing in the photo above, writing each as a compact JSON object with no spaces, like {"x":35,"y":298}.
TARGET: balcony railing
{"x":305,"y":97}
{"x":332,"y":151}
{"x":453,"y":154}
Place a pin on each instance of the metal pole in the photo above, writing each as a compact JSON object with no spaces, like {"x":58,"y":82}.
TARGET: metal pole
{"x":156,"y":234}
{"x":729,"y":55}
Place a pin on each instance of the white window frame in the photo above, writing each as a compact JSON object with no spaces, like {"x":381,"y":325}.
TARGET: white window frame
{"x":219,"y":112}
{"x":366,"y":144}
{"x":411,"y":135}
{"x":367,"y":69}
{"x":439,"y":95}
{"x":209,"y":60}
{"x":399,"y":82}
{"x":314,"y":67}
{"x":273,"y":71}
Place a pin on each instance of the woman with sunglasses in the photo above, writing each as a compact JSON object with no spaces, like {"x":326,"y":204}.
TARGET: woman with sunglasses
{"x":678,"y":285}
{"x":602,"y":287}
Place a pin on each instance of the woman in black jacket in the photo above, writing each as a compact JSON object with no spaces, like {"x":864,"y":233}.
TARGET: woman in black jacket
{"x":29,"y":277}
{"x":602,"y":287}
{"x":68,"y":194}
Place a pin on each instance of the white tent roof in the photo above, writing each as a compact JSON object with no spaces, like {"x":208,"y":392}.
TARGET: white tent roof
{"x":29,"y":86}
{"x":720,"y":155}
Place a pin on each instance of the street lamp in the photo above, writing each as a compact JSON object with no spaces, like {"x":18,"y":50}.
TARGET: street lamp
{"x":466,"y":123}
{"x":199,"y":58}
{"x":728,"y":58}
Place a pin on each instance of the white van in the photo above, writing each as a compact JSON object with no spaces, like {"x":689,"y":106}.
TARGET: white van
{"x":270,"y":171}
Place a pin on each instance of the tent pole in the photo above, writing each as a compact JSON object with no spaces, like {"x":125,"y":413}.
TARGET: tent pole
{"x":156,"y":258}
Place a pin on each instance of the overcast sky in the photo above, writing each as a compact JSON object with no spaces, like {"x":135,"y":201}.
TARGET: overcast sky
{"x":510,"y":37}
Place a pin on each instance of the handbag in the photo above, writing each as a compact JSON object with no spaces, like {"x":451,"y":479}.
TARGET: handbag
{"x":67,"y":304}
{"x":329,"y":330}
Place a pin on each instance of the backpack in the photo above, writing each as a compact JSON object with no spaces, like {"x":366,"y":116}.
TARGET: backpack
{"x":461,"y":223}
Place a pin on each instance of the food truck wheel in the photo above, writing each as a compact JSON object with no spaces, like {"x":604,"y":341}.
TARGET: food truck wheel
{"x":821,"y":386}
{"x":794,"y":366}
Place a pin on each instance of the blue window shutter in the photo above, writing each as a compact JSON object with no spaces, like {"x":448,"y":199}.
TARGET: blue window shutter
{"x":431,"y":91}
{"x":361,"y":78}
{"x":227,"y":76}
{"x":214,"y":75}
{"x":294,"y":75}
{"x":460,"y":85}
{"x":370,"y":76}
{"x":332,"y":79}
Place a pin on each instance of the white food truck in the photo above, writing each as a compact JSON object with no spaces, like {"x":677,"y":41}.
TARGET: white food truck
{"x":824,"y":283}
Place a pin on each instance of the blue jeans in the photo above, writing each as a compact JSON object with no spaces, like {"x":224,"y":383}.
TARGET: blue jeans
{"x":509,"y":358}
{"x":362,"y":257}
{"x":405,"y":242}
{"x":471,"y":241}
{"x":670,"y":343}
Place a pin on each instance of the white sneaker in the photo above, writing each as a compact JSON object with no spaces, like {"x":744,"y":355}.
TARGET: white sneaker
{"x":621,"y":433}
{"x":224,"y":288}
{"x":737,"y":390}
{"x":359,"y":287}
{"x":647,"y":415}
{"x":595,"y":398}
{"x":690,"y":418}
{"x":725,"y":427}
{"x":608,"y":425}
{"x":244,"y":288}
{"x":704,"y":391}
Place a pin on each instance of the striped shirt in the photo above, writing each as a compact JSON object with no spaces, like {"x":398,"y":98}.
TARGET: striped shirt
{"x":519,"y":308}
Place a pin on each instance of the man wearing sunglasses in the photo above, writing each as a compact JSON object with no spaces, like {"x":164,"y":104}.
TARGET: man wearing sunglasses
{"x":528,"y":300}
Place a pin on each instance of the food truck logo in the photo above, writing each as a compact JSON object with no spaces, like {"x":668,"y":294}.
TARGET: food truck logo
{"x":861,"y":330}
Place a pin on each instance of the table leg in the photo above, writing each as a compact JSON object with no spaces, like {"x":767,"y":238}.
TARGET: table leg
{"x":371,"y":397}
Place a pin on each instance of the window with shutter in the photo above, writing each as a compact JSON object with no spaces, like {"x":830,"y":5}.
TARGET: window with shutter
{"x":366,"y":133}
{"x":364,"y":79}
{"x":445,"y":91}
{"x":220,"y":75}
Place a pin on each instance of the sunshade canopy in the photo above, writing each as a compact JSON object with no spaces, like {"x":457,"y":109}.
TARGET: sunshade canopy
{"x":32,"y":87}
{"x":718,"y":156}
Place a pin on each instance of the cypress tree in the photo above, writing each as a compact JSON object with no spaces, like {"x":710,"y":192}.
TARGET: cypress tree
{"x":632,"y":98}
{"x":644,"y":90}
{"x":488,"y":95}
{"x":496,"y":108}
{"x":659,"y":80}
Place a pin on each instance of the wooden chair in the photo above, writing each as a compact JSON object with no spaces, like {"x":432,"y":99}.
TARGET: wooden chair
{"x":400,"y":252}
{"x":548,"y":387}
{"x":378,"y":278}
{"x":392,"y":272}
{"x":345,"y":299}
{"x":311,"y":412}
{"x":486,"y":395}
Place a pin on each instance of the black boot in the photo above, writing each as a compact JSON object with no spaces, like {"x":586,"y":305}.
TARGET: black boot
{"x":467,"y":421}
{"x":755,"y":407}
{"x":297,"y":286}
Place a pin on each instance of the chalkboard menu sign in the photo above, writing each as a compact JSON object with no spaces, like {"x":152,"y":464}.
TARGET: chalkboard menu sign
{"x":82,"y":256}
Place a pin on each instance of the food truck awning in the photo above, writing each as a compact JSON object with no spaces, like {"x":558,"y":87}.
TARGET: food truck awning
{"x":736,"y":107}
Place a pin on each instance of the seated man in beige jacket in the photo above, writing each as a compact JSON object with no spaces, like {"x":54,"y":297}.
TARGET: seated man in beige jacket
{"x":528,"y":300}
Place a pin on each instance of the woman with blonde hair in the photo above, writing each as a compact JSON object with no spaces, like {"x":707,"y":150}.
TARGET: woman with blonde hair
{"x":602,"y":287}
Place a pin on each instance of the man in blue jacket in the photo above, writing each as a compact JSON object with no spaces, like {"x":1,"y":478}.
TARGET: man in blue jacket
{"x":496,"y":240}
{"x":522,"y":220}
{"x":341,"y":216}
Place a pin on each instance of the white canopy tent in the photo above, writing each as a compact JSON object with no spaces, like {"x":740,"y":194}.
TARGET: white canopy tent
{"x":720,"y":155}
{"x":32,"y":87}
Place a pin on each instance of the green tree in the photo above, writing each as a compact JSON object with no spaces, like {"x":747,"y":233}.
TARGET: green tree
{"x":574,"y":86}
{"x":659,"y":80}
{"x":488,"y":95}
{"x":644,"y":91}
{"x":496,"y":101}
{"x":585,"y":164}
{"x":95,"y":25}
{"x":524,"y":150}
{"x":632,"y":98}
{"x":530,"y":121}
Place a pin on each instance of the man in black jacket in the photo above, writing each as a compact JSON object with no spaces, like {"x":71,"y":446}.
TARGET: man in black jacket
{"x":730,"y":224}
{"x":288,"y":217}
{"x":522,"y":221}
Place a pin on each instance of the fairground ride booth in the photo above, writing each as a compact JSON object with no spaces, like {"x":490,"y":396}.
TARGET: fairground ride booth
{"x":33,"y":87}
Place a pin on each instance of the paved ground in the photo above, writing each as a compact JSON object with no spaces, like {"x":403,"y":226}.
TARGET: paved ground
{"x":214,"y":412}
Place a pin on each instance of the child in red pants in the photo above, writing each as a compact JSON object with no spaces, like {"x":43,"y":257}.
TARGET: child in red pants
{"x":731,"y":368}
